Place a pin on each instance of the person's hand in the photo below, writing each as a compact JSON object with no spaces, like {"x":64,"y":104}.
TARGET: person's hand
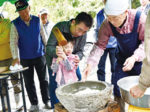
{"x":136,"y":92}
{"x":129,"y":63}
{"x":59,"y":59}
{"x":76,"y":60}
{"x":59,"y":51}
{"x":63,"y":56}
{"x":15,"y":61}
{"x":86,"y":72}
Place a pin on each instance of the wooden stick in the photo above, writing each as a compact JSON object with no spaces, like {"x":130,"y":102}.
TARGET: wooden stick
{"x":59,"y":36}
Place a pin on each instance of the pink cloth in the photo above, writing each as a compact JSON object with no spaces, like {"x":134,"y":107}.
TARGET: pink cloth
{"x":105,"y":32}
{"x":69,"y":75}
{"x":95,"y":55}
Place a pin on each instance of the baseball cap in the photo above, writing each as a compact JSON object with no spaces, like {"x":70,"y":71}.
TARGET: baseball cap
{"x":21,"y":5}
{"x":43,"y":11}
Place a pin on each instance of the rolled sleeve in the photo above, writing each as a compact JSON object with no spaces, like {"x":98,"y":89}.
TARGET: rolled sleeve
{"x":139,"y":53}
{"x":43,"y":34}
{"x":95,"y":56}
{"x":144,"y":80}
{"x":104,"y":34}
{"x":14,"y":42}
{"x":98,"y":49}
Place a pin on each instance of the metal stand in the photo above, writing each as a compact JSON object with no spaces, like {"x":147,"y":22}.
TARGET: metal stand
{"x":23,"y":95}
{"x":4,"y":83}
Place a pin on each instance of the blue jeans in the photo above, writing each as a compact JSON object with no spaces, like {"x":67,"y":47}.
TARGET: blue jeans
{"x":53,"y":86}
{"x":101,"y":65}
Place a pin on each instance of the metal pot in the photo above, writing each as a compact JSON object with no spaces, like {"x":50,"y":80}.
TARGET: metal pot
{"x":128,"y":82}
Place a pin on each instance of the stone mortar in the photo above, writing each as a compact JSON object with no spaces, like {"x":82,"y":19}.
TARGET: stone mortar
{"x":84,"y":102}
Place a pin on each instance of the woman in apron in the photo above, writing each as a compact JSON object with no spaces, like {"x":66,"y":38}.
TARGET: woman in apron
{"x":127,"y":25}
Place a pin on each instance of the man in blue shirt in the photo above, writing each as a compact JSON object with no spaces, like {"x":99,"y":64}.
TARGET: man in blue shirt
{"x":27,"y":36}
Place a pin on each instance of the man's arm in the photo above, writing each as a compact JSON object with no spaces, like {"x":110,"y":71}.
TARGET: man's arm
{"x":43,"y":34}
{"x":139,"y":53}
{"x":98,"y":49}
{"x":138,"y":56}
{"x":14,"y":44}
{"x":144,"y":80}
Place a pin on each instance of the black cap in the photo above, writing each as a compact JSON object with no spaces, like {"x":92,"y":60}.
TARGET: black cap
{"x":21,"y":5}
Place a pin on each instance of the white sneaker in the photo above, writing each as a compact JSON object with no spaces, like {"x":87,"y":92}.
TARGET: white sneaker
{"x":17,"y":98}
{"x":34,"y":108}
{"x":47,"y":105}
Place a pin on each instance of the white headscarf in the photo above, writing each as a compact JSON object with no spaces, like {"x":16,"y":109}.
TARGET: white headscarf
{"x":116,"y":7}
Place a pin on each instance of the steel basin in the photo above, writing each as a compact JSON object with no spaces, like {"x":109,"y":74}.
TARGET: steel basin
{"x":128,"y":82}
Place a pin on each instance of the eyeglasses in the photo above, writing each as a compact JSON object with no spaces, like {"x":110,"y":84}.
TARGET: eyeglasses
{"x":78,"y":29}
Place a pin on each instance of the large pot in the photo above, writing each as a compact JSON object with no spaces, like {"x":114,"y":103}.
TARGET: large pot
{"x":88,"y":96}
{"x":128,"y":82}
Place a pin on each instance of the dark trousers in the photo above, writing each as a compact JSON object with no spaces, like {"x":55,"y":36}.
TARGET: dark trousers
{"x":53,"y":86}
{"x":40,"y":66}
{"x":101,"y":65}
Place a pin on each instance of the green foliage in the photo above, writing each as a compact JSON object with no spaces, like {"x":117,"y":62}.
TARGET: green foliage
{"x":135,"y":4}
{"x":75,"y":3}
{"x":59,"y":10}
{"x":92,"y":13}
{"x":11,"y":1}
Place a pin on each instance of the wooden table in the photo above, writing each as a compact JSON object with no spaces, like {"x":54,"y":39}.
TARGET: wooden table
{"x":3,"y":82}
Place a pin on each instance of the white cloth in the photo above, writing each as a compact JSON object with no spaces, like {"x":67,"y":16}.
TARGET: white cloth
{"x":15,"y":67}
{"x":116,"y":7}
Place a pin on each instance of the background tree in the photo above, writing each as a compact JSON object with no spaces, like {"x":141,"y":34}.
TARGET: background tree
{"x":135,"y":3}
{"x":60,"y":10}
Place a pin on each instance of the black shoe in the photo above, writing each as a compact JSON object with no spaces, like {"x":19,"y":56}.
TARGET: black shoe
{"x":47,"y":105}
